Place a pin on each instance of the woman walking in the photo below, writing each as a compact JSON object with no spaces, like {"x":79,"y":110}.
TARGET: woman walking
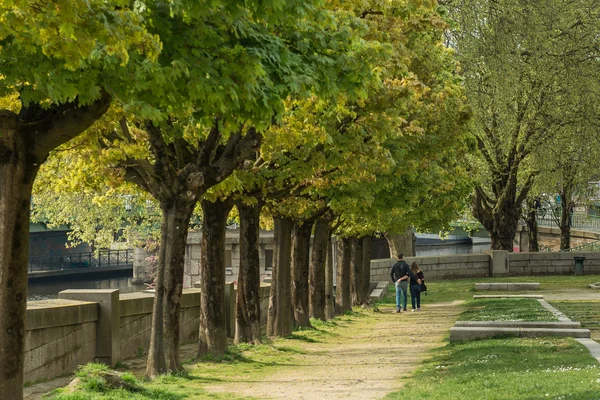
{"x":415,"y":287}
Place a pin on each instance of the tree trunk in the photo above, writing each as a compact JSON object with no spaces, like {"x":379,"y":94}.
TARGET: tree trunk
{"x":401,"y":244}
{"x":212,"y":338}
{"x":366,"y":265}
{"x":280,"y":318}
{"x":16,"y":183}
{"x":300,"y":260}
{"x":532,"y":226}
{"x":343,"y":301}
{"x":163,"y":353}
{"x":329,"y":294}
{"x":177,"y":231}
{"x":500,"y":216}
{"x":356,"y":271}
{"x":316,"y":286}
{"x":247,"y":305}
{"x":566,"y":217}
{"x":156,"y":363}
{"x":26,"y":140}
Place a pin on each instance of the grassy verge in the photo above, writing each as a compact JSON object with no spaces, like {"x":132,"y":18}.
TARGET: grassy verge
{"x":506,"y":310}
{"x":464,"y":289}
{"x":243,"y":362}
{"x":507,"y":369}
{"x":586,"y":312}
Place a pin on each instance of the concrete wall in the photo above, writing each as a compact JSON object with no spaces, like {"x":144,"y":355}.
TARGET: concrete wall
{"x":443,"y":267}
{"x":549,"y":238}
{"x":551,"y":263}
{"x":481,"y":265}
{"x":232,"y":254}
{"x":59,"y":336}
{"x":136,"y":320}
{"x":64,"y":333}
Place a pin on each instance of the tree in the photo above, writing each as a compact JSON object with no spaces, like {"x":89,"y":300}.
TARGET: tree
{"x":62,"y":62}
{"x":517,"y":59}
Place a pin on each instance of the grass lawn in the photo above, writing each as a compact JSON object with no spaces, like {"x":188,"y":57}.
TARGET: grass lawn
{"x":506,"y":310}
{"x":586,"y":312}
{"x":508,"y":369}
{"x":464,"y":289}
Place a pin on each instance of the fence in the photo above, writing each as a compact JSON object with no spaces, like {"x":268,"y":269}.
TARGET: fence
{"x":584,"y":222}
{"x":103,"y":258}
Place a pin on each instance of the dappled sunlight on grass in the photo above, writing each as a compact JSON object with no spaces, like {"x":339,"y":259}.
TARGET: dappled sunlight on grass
{"x":506,"y":369}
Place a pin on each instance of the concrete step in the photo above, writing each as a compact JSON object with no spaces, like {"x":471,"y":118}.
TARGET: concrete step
{"x":508,"y":296}
{"x":509,"y":286}
{"x":519,"y":324}
{"x":461,"y":334}
{"x":380,"y":291}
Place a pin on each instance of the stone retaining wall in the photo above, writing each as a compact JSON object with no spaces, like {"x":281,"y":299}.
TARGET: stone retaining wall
{"x":435,"y":268}
{"x":480,"y":265}
{"x":59,"y":336}
{"x":64,"y":333}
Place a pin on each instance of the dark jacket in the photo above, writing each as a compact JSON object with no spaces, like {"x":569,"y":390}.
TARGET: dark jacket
{"x":400,"y":269}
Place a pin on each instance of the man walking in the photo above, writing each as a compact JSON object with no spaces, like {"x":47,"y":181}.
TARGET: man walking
{"x":400,"y":273}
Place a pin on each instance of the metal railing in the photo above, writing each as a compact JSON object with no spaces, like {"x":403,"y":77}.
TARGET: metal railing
{"x":584,"y":222}
{"x":103,"y":258}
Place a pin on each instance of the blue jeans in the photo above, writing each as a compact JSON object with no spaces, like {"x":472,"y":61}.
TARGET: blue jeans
{"x":401,"y":294}
{"x":415,"y":295}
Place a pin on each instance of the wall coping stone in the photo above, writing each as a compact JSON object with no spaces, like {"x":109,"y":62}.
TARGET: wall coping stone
{"x":458,"y":334}
{"x":509,"y":286}
{"x":520,"y":324}
{"x":59,"y":312}
{"x":508,"y":296}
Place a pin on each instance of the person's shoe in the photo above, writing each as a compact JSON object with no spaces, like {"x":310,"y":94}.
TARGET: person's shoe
{"x":398,"y":311}
{"x":405,"y":309}
{"x":419,"y":309}
{"x":413,"y":310}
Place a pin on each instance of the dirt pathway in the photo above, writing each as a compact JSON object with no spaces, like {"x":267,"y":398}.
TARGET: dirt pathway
{"x":367,"y":360}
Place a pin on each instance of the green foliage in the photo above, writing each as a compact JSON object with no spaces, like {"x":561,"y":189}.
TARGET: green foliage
{"x":528,"y":108}
{"x":74,"y":189}
{"x":54,"y":52}
{"x":388,"y":160}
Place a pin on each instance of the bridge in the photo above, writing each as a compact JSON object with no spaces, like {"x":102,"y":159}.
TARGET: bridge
{"x":80,"y":263}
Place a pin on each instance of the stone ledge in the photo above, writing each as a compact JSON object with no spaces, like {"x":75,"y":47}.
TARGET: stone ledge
{"x":460,"y":334}
{"x":594,"y":285}
{"x":508,"y":296}
{"x":508,"y":286}
{"x":519,"y":324}
{"x":380,"y":291}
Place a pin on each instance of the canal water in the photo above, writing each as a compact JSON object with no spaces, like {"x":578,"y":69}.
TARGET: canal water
{"x":46,"y":289}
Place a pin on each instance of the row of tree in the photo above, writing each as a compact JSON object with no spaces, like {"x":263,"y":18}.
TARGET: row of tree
{"x":345,"y":116}
{"x":531,"y":76}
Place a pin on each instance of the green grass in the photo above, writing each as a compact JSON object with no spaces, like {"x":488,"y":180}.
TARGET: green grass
{"x":512,"y":369}
{"x":506,"y":310}
{"x":586,"y":312}
{"x":464,"y":289}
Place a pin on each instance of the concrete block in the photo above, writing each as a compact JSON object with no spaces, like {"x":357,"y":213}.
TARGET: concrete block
{"x":59,"y":312}
{"x":519,"y":324}
{"x":539,"y":332}
{"x":499,"y":263}
{"x":108,"y":333}
{"x":508,"y":296}
{"x":230,"y":294}
{"x":461,"y":334}
{"x":515,"y":257}
{"x":522,"y":286}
